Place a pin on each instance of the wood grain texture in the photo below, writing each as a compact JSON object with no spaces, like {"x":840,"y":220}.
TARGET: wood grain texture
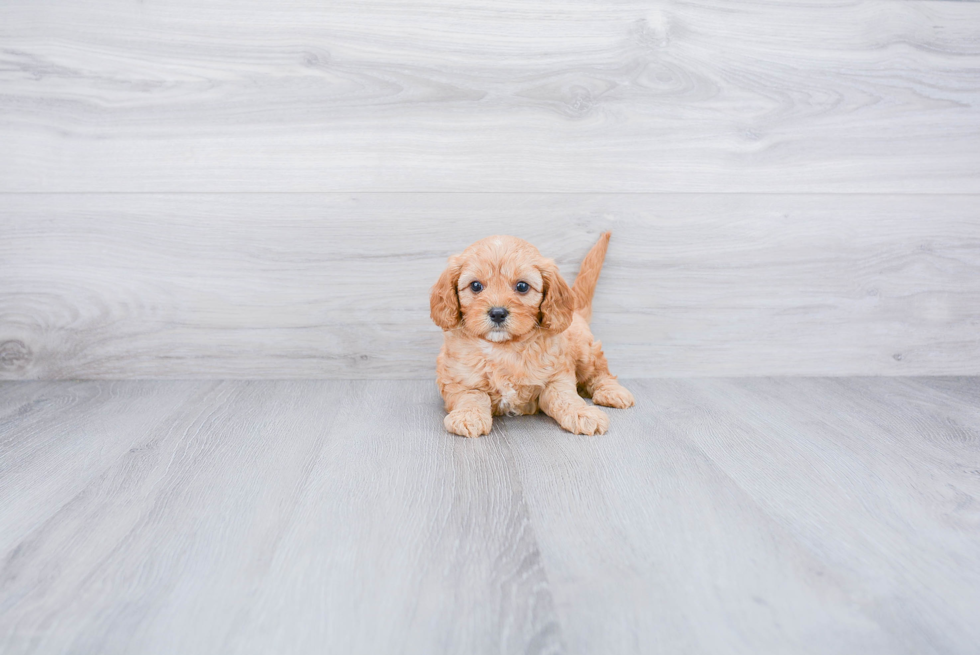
{"x":764,"y":515}
{"x":719,"y":515}
{"x":333,"y":285}
{"x":203,"y":517}
{"x":465,"y":95}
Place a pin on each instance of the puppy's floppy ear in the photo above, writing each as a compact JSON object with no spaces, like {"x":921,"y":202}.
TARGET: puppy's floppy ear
{"x":558,"y":303}
{"x":444,"y":300}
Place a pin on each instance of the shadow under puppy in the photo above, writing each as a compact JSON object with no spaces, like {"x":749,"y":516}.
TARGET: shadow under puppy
{"x":517,"y":339}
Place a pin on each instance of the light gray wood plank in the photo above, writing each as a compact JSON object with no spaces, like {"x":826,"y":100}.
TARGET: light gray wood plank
{"x":427,"y":530}
{"x":56,"y":438}
{"x":744,"y":516}
{"x":334,"y":285}
{"x":748,"y":516}
{"x":895,"y":478}
{"x":466,"y":95}
{"x":965,"y":388}
{"x":288,"y":517}
{"x":644,"y":530}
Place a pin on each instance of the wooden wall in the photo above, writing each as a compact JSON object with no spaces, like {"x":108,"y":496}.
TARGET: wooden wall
{"x":268,"y":189}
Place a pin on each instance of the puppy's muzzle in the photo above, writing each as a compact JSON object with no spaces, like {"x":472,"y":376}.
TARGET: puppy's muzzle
{"x":498,"y":315}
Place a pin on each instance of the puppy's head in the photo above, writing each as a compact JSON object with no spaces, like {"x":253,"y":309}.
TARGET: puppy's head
{"x":501,"y":288}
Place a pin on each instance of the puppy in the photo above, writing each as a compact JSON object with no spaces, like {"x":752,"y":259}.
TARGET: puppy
{"x":517,"y":339}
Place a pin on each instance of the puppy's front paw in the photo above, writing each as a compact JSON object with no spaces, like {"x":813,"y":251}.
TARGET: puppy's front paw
{"x":468,"y":422}
{"x":586,"y":420}
{"x":613,"y":394}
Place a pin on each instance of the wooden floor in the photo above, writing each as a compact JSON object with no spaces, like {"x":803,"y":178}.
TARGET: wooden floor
{"x":720,"y":515}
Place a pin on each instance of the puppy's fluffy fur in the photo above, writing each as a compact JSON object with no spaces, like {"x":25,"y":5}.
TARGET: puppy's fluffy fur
{"x":542,"y":356}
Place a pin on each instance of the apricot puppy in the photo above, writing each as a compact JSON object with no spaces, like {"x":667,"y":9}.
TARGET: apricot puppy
{"x":517,"y":339}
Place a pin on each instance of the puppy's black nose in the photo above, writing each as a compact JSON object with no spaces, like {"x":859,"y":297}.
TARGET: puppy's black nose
{"x":498,"y":314}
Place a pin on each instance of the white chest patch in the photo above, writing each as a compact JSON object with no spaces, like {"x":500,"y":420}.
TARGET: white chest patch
{"x":499,"y":361}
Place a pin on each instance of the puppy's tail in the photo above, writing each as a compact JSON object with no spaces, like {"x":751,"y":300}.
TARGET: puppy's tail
{"x":588,"y":276}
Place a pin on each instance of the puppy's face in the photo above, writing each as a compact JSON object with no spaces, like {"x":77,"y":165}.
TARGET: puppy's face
{"x":501,"y":288}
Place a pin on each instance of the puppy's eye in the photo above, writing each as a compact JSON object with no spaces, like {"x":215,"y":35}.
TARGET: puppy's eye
{"x":522,"y":287}
{"x":476,"y":287}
